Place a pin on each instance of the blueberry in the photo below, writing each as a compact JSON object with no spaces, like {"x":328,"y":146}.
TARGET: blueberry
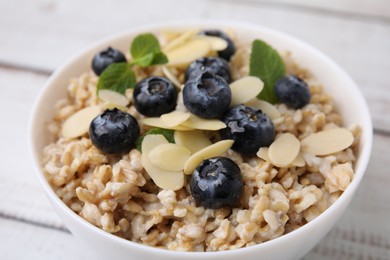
{"x":105,"y":58}
{"x":207,"y":96}
{"x":292,"y":91}
{"x":230,"y":49}
{"x":213,"y":65}
{"x":114,"y":131}
{"x":217,"y":183}
{"x":249,"y":128}
{"x":154,"y":96}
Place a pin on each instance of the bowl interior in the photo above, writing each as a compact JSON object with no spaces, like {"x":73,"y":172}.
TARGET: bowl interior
{"x":336,"y":82}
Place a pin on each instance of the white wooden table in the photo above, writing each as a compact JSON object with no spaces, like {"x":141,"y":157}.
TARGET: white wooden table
{"x":36,"y":36}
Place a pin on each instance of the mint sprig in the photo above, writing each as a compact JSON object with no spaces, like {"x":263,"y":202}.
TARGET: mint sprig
{"x":145,"y":50}
{"x":168,"y":134}
{"x":117,"y":77}
{"x":266,"y":64}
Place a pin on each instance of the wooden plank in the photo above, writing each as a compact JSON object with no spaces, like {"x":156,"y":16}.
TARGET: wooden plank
{"x":22,"y":196}
{"x":23,"y":241}
{"x":42,"y":35}
{"x":372,"y":8}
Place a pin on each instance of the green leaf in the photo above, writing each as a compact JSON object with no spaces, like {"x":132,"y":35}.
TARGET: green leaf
{"x":117,"y":77}
{"x":160,"y":58}
{"x":168,"y":134}
{"x":266,"y":64}
{"x":145,"y":50}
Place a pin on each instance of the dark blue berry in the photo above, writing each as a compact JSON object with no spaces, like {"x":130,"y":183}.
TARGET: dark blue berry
{"x":114,"y":131}
{"x":154,"y":96}
{"x":249,"y":128}
{"x":105,"y":58}
{"x":292,"y":91}
{"x":230,"y":49}
{"x":213,"y":65}
{"x":217,"y":183}
{"x":207,"y":96}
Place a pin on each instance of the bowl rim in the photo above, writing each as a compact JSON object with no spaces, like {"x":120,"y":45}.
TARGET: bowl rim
{"x":367,"y":133}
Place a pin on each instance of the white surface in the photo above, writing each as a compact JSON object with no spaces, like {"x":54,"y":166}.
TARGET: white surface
{"x":41,"y":34}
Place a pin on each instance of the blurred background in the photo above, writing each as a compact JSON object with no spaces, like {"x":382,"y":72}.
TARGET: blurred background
{"x":36,"y":36}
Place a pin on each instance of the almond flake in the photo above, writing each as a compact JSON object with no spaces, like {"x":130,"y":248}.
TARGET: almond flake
{"x":109,"y":105}
{"x":263,"y":153}
{"x":168,"y":180}
{"x":78,"y":123}
{"x":169,"y":157}
{"x":203,"y":124}
{"x":192,"y":140}
{"x":174,"y":118}
{"x":188,"y":52}
{"x":216,"y":43}
{"x":327,"y":141}
{"x":298,"y":161}
{"x":267,"y":108}
{"x":245,"y":89}
{"x":168,"y":73}
{"x":213,"y":150}
{"x":179,"y":40}
{"x":113,"y":97}
{"x":284,"y":150}
{"x":157,"y":122}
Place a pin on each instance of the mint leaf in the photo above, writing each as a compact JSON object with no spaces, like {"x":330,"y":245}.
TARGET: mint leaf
{"x":117,"y":77}
{"x":160,"y":58}
{"x":266,"y":64}
{"x":168,"y":134}
{"x":145,"y":50}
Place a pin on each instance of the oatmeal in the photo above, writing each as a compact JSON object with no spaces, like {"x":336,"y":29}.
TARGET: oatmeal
{"x":145,"y":194}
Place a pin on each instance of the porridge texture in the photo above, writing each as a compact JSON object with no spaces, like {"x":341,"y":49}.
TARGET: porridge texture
{"x":116,"y":194}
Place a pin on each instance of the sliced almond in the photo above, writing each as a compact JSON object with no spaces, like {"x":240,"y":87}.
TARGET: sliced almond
{"x":245,"y":89}
{"x":174,"y":118}
{"x":179,"y":40}
{"x":327,"y":141}
{"x":213,"y":150}
{"x":263,"y":154}
{"x":187,"y":52}
{"x":113,"y":97}
{"x":168,"y":180}
{"x":169,"y":157}
{"x":267,"y":108}
{"x":203,"y":124}
{"x":168,"y":73}
{"x":284,"y":150}
{"x":192,"y":140}
{"x":216,"y":43}
{"x":298,"y":161}
{"x":78,"y":123}
{"x":157,"y":122}
{"x":109,"y":105}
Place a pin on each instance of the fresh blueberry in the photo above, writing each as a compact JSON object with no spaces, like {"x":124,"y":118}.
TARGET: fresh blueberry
{"x":217,"y":183}
{"x":207,"y":96}
{"x":292,"y":91}
{"x":114,"y":131}
{"x":105,"y":58}
{"x":213,"y":65}
{"x":249,"y":128}
{"x":230,"y":49}
{"x":154,"y":96}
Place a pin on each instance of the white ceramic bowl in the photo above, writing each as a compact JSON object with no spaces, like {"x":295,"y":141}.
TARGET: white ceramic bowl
{"x":349,"y":100}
